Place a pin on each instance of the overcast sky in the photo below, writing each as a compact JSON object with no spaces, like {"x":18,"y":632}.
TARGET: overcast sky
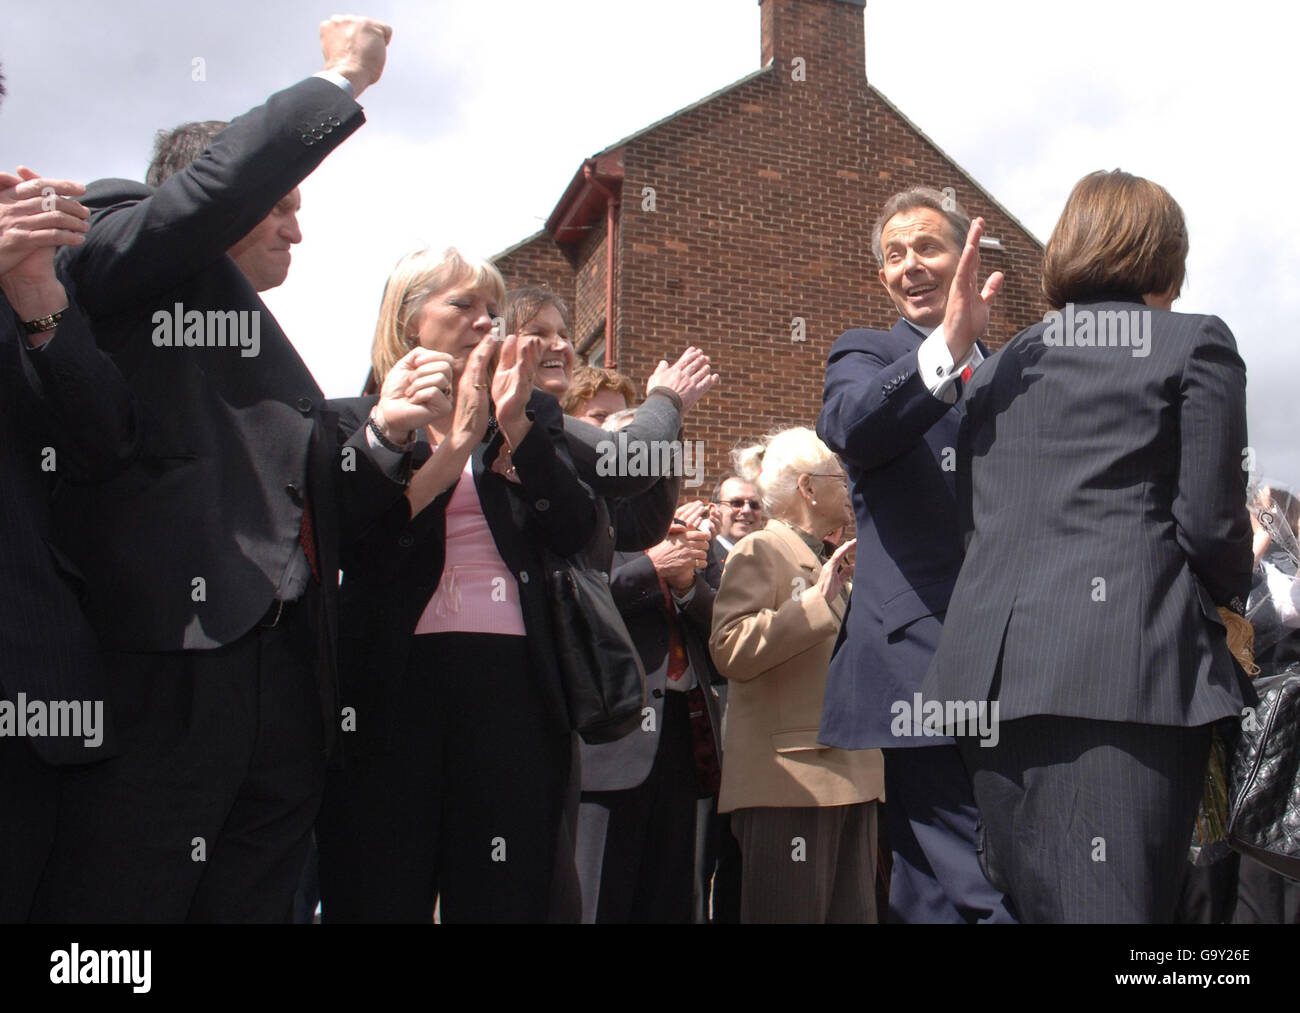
{"x":487,"y":108}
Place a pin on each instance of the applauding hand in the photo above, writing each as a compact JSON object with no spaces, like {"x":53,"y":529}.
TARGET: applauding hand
{"x":690,"y":377}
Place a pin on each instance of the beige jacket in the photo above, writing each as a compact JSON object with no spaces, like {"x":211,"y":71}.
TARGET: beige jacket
{"x":773,"y":644}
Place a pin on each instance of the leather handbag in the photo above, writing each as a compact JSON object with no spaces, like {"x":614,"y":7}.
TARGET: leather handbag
{"x":1264,"y":815}
{"x":604,"y":680}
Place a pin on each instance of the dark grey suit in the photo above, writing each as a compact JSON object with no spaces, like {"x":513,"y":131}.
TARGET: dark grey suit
{"x":66,"y":416}
{"x":1104,"y":504}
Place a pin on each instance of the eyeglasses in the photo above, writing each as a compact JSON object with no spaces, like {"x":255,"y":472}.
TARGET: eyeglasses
{"x":841,"y":476}
{"x":739,"y":503}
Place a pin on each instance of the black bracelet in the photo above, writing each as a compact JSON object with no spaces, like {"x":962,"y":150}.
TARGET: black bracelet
{"x":43,"y":324}
{"x":384,"y":441}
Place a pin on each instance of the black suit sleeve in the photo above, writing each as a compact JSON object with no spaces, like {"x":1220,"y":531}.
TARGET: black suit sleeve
{"x":866,"y":420}
{"x":368,"y":494}
{"x":642,"y":521}
{"x":699,"y":610}
{"x":635,"y":584}
{"x":1209,"y":508}
{"x":141,"y":248}
{"x":82,"y":403}
{"x":562,"y":509}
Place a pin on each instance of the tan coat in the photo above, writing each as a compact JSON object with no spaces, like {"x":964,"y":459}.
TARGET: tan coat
{"x":773,"y":645}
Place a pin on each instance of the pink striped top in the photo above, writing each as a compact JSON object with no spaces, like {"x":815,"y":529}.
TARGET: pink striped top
{"x":477,"y":592}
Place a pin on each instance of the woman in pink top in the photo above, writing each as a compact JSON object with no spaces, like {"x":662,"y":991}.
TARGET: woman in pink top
{"x":456,"y":736}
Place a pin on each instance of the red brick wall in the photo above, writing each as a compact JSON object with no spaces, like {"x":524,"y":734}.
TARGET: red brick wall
{"x":589,"y":284}
{"x":765,"y":197}
{"x":538,"y":261}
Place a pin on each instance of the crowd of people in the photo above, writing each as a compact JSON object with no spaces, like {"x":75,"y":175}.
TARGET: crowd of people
{"x":322,"y":630}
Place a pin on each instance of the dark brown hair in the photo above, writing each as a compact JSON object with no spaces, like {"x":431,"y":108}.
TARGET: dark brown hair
{"x":1119,"y":237}
{"x":174,"y":150}
{"x":522,"y":304}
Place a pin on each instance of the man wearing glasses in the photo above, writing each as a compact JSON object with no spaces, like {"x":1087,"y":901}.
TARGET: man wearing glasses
{"x":741,"y":511}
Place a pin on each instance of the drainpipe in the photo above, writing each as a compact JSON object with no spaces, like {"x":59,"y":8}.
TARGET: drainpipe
{"x":611,"y":207}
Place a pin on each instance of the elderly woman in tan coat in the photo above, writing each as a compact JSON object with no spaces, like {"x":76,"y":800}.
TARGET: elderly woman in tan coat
{"x":805,"y":814}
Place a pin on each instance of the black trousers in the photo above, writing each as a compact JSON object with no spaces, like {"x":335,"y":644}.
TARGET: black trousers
{"x":1088,"y":821}
{"x":647,"y":872}
{"x":465,"y":808}
{"x":206,"y":815}
{"x":29,"y":800}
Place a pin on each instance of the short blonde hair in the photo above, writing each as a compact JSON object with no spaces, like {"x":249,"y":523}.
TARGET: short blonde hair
{"x":415,"y":278}
{"x":774,"y":464}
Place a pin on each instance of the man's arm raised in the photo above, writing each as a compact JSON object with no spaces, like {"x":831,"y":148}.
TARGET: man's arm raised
{"x":144,"y":243}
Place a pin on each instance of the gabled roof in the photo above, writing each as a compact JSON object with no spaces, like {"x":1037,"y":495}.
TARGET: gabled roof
{"x":947,"y":157}
{"x":583,"y":201}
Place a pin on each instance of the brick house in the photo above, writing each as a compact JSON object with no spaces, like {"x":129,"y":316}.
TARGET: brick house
{"x":742,"y":224}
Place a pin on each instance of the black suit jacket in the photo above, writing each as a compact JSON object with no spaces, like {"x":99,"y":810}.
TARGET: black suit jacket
{"x":394,"y":564}
{"x":186,"y":549}
{"x":626,"y":762}
{"x":67,"y":417}
{"x":898,"y":445}
{"x":1105,"y":502}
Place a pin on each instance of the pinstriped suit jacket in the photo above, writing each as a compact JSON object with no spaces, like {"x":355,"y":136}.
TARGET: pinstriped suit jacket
{"x":1103,"y":498}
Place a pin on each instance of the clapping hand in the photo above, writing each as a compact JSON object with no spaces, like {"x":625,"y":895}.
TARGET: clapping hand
{"x":678,"y":556}
{"x":837,"y":570}
{"x":690,"y":377}
{"x":416,"y":392}
{"x":37,"y":216}
{"x":700,"y":516}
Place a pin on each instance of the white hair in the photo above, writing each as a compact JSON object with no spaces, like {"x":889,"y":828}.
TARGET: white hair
{"x":774,"y":464}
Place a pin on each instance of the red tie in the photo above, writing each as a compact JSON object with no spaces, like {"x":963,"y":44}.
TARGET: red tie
{"x":965,"y":374}
{"x":307,"y":539}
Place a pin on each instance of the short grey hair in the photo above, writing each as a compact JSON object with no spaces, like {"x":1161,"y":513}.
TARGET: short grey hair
{"x":921,"y":197}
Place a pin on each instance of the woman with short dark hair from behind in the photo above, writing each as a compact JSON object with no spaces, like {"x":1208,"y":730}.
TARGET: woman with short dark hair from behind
{"x":1100,"y":459}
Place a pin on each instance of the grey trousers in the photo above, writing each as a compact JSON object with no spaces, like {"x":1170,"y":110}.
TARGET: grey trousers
{"x":807,"y":864}
{"x":1088,"y":821}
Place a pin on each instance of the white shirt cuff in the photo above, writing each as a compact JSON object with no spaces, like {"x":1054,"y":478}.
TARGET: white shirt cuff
{"x":334,"y":77}
{"x":938,"y":371}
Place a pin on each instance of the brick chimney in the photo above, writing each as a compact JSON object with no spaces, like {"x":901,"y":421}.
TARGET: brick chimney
{"x":823,"y":33}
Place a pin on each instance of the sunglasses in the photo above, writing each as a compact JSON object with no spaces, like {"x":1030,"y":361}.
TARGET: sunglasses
{"x":739,"y":503}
